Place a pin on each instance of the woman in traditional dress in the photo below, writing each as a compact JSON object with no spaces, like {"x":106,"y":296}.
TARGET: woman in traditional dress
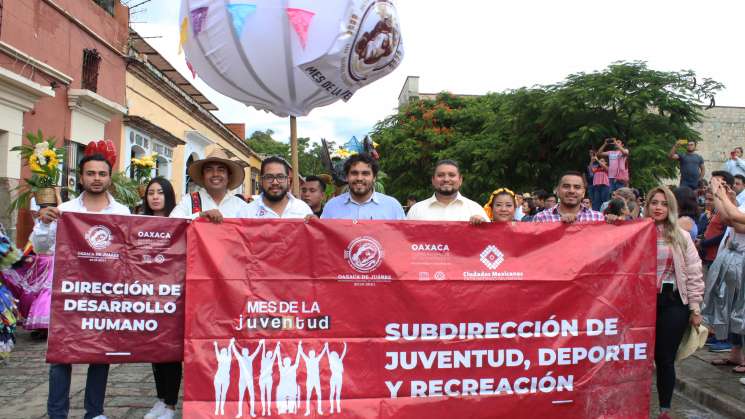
{"x":9,"y":255}
{"x":31,"y":282}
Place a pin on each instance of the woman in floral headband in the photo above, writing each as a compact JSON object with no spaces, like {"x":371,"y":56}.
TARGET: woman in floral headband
{"x":501,"y":206}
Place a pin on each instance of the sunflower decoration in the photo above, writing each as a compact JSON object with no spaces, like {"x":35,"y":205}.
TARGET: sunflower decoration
{"x":143,"y":168}
{"x":43,"y":158}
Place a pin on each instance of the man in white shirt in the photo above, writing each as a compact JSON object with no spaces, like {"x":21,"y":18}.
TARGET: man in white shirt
{"x":447,"y":204}
{"x":217,"y":174}
{"x":95,"y":178}
{"x":735,"y":165}
{"x":275,"y":200}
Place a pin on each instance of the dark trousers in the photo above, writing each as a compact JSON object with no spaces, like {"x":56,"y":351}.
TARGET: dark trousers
{"x":167,"y":381}
{"x":600,"y":194}
{"x":672,"y":320}
{"x":58,"y":403}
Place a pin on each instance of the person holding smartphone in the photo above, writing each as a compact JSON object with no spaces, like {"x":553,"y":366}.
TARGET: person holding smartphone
{"x":691,"y":163}
{"x":618,"y":164}
{"x":735,"y":165}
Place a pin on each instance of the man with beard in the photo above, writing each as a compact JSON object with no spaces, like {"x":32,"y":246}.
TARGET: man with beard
{"x":447,"y":204}
{"x":571,"y":189}
{"x":275,"y":200}
{"x":95,"y":178}
{"x":217,"y":174}
{"x":312,"y":192}
{"x":362,"y":202}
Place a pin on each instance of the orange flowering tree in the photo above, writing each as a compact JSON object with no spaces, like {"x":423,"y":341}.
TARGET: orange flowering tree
{"x":524,"y":138}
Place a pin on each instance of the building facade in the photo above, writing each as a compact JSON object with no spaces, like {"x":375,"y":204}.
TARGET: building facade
{"x":62,"y":70}
{"x":169,"y":116}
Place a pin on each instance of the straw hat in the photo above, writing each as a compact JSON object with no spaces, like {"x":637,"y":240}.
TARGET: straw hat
{"x":693,"y":340}
{"x":235,"y":179}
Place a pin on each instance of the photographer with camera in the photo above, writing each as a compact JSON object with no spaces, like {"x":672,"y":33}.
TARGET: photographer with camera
{"x":618,"y":165}
{"x":600,"y":191}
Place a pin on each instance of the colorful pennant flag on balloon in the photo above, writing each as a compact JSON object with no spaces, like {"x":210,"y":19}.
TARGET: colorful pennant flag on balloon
{"x":198,"y":16}
{"x":191,"y":69}
{"x":239,"y":13}
{"x":300,"y":20}
{"x":183,"y":35}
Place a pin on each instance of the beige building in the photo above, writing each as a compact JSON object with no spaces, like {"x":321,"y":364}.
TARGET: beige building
{"x":169,"y":116}
{"x":722,"y":128}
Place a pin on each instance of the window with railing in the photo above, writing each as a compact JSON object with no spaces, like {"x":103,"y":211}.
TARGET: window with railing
{"x":91,"y":62}
{"x":107,"y":5}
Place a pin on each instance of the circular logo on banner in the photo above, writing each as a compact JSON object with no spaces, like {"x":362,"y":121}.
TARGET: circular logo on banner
{"x":364,"y":254}
{"x":98,"y":237}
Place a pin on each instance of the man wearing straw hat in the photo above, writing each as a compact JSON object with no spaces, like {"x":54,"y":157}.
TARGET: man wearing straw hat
{"x":217,"y":175}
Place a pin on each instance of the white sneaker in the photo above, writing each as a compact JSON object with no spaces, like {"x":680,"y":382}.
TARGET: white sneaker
{"x":158,"y":409}
{"x":742,"y":381}
{"x":168,"y":414}
{"x":100,"y":417}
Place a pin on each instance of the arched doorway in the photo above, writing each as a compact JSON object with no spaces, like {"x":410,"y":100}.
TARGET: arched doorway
{"x":136,"y":152}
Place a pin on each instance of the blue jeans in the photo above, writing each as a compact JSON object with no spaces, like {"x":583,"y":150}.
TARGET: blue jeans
{"x":58,"y":403}
{"x":600,"y":194}
{"x":616,"y":184}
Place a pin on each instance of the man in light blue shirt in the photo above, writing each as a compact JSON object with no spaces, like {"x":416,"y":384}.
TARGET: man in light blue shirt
{"x":362,"y":202}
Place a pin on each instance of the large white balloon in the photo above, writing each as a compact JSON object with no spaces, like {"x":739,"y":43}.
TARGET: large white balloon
{"x":290,"y":56}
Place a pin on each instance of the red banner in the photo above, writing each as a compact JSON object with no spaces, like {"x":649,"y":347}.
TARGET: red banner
{"x":405,"y":319}
{"x":118,"y":290}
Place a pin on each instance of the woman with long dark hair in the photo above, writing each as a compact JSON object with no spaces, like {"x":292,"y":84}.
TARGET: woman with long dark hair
{"x":680,"y":288}
{"x":159,"y":201}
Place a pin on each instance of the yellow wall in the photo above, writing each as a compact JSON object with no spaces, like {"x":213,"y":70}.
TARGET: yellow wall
{"x":148,"y":103}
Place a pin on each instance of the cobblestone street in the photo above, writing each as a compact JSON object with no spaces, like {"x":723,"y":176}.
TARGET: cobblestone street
{"x":131,"y":391}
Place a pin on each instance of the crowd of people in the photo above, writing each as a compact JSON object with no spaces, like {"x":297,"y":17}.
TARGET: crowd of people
{"x":700,"y":225}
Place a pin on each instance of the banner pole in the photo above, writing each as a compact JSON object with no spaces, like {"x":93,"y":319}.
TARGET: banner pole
{"x":295,"y":159}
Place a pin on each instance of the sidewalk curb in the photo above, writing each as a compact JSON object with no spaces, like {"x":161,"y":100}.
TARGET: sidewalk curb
{"x":706,"y":396}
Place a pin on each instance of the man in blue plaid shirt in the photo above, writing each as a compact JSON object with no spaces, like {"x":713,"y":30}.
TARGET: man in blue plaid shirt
{"x":571,"y":189}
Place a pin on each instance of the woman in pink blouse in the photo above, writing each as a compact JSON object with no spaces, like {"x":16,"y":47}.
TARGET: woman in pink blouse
{"x":680,"y":287}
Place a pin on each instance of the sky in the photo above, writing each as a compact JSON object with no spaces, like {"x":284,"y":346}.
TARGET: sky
{"x":479,"y":46}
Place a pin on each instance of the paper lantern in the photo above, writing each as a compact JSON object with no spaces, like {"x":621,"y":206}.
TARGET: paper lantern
{"x":288,"y":57}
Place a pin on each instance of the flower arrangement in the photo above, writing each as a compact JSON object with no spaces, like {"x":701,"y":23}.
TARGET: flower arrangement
{"x":143,"y":168}
{"x":43,"y":157}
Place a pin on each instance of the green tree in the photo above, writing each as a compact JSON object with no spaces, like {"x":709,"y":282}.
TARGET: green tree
{"x":309,"y":152}
{"x":524,"y":138}
{"x":262,"y":142}
{"x":309,"y":156}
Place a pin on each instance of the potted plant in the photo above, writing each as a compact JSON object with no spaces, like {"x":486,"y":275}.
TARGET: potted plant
{"x":43,"y":157}
{"x":143,"y":168}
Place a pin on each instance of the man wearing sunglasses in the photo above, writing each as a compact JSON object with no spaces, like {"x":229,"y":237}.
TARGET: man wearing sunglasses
{"x":275,"y":200}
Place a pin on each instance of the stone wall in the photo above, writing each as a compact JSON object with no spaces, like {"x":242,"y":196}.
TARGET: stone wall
{"x":722,"y":130}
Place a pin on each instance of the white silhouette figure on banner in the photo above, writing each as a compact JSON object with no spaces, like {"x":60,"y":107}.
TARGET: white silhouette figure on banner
{"x":265,"y":378}
{"x":246,"y":379}
{"x":288,"y":391}
{"x":313,"y":378}
{"x":222,"y":375}
{"x":337,"y":371}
